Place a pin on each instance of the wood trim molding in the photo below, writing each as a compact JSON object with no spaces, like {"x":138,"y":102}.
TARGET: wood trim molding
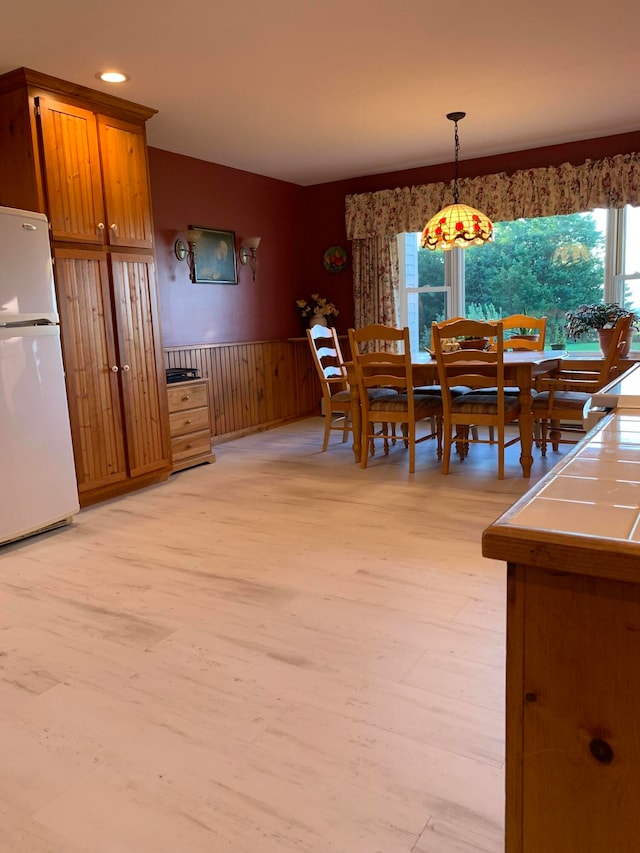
{"x":255,"y":385}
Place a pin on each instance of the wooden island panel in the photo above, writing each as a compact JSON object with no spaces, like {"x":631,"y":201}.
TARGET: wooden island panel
{"x":573,"y":641}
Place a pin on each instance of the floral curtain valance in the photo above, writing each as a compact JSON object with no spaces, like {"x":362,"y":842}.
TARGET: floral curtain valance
{"x":612,"y":183}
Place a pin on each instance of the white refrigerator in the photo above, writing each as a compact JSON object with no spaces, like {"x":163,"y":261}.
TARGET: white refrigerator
{"x":37,"y":473}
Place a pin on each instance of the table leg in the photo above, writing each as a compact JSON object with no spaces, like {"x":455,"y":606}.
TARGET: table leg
{"x":526,"y":421}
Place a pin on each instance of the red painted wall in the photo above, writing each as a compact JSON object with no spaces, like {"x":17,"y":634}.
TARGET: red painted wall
{"x":297,"y":225}
{"x":188,"y":192}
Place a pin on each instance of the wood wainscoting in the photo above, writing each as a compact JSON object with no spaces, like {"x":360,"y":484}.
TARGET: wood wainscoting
{"x":255,"y":385}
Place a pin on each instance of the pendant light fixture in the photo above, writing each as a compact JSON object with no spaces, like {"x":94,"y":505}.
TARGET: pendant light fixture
{"x":458,"y":224}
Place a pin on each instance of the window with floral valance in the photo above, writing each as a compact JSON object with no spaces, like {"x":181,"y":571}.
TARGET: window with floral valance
{"x":612,"y":182}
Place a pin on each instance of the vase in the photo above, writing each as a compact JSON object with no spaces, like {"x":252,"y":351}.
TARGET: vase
{"x":318,"y":320}
{"x":604,"y":337}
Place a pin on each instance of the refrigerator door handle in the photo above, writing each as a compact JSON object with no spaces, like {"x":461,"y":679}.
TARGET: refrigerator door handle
{"x":21,"y":324}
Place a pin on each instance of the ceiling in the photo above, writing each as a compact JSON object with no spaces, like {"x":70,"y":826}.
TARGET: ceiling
{"x":311,"y":91}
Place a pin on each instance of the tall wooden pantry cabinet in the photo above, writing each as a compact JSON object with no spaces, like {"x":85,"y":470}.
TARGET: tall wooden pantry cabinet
{"x":80,"y":156}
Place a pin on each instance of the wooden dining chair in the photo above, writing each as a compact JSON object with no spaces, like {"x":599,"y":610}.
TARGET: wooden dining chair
{"x":559,"y":404}
{"x":517,"y":326}
{"x":336,"y":396}
{"x":476,"y":369}
{"x":378,"y":369}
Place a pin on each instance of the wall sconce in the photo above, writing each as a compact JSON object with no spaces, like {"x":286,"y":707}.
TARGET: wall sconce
{"x":249,"y":253}
{"x":182,"y":252}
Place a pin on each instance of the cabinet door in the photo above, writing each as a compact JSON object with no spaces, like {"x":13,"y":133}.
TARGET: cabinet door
{"x":92,"y":368}
{"x":126,"y":183}
{"x":580,"y":729}
{"x":140,"y":351}
{"x":71,"y":171}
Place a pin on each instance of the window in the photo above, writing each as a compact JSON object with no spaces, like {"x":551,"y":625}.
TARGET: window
{"x":543,"y":267}
{"x":627,"y":275}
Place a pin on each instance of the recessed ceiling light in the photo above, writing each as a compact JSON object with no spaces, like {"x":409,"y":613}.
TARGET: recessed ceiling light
{"x":112,"y":76}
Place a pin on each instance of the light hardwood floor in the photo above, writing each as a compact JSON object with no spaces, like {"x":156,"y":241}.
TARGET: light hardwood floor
{"x":279,"y":652}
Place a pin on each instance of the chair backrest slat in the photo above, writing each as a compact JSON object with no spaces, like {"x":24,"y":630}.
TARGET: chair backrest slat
{"x":457,"y":368}
{"x":377,"y":367}
{"x":327,"y":357}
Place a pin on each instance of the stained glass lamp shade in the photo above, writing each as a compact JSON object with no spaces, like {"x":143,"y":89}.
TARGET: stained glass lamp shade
{"x":457,"y":224}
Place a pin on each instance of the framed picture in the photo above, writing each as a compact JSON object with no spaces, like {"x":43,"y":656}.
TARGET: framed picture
{"x":215,"y":257}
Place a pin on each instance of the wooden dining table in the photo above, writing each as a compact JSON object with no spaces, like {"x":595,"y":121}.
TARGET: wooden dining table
{"x":521,"y":367}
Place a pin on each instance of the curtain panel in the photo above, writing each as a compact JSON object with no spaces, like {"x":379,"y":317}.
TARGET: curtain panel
{"x":555,"y":190}
{"x":376,"y":283}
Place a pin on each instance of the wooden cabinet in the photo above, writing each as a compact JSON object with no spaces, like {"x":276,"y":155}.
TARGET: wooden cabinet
{"x":573,"y":645}
{"x":71,"y":174}
{"x":80,"y":157}
{"x":95,"y":176}
{"x":573,"y":737}
{"x":190,"y":424}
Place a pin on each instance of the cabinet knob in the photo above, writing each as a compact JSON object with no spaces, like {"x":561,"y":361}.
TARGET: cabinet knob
{"x":114,"y":229}
{"x":100,"y":226}
{"x":115,"y":368}
{"x":186,"y":397}
{"x":126,"y":368}
{"x":188,"y":421}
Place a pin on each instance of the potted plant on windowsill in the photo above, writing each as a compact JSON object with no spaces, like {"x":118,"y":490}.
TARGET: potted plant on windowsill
{"x":602,"y":317}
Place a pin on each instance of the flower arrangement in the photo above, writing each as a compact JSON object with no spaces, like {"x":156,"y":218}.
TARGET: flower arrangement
{"x":601,"y":315}
{"x":317,"y":305}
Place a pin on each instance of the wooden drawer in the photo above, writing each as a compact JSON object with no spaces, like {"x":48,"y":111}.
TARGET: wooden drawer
{"x":190,"y":420}
{"x":187,"y":397}
{"x":190,"y":424}
{"x":194,"y":444}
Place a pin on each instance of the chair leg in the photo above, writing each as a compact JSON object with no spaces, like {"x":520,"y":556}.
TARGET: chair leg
{"x":327,"y":428}
{"x":446,"y":453}
{"x":537,"y":434}
{"x":555,"y":434}
{"x":346,"y":427}
{"x":366,"y":444}
{"x":412,"y":448}
{"x":501,"y":451}
{"x":462,"y":441}
{"x":384,"y":428}
{"x":544,"y":425}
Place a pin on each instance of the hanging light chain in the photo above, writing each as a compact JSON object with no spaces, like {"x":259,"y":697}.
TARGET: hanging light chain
{"x":457,"y":172}
{"x":455,"y":118}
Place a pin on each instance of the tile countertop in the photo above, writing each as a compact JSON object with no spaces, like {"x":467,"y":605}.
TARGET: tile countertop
{"x":586,"y":511}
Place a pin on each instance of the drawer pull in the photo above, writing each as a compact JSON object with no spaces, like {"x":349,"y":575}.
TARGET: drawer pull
{"x":188,"y":421}
{"x":186,"y":397}
{"x":189,"y":446}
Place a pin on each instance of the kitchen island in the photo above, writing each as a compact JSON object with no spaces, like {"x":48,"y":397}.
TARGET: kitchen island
{"x":572,"y":546}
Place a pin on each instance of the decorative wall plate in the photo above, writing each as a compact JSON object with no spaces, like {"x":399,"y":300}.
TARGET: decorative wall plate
{"x":335,"y":259}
